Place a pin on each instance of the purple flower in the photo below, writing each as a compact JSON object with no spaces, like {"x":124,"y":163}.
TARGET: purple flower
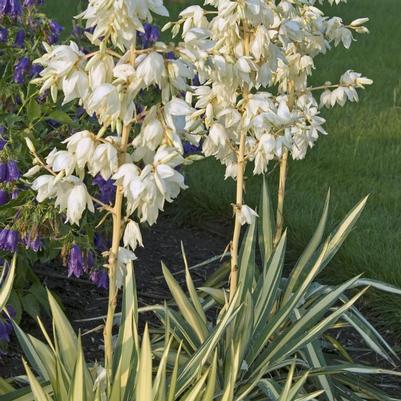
{"x":8,"y":240}
{"x":55,"y":32}
{"x":190,"y":149}
{"x":6,"y":326}
{"x":151,"y":35}
{"x":107,"y":189}
{"x":100,"y":278}
{"x":100,"y":243}
{"x":3,"y":143}
{"x":13,"y":171}
{"x":75,"y":262}
{"x":32,"y":241}
{"x":3,"y":35}
{"x":196,"y":81}
{"x":32,"y":3}
{"x":12,"y":8}
{"x":36,"y":70}
{"x":3,"y":172}
{"x":4,"y":197}
{"x":21,"y":69}
{"x":89,"y":262}
{"x":19,"y":39}
{"x":170,"y":56}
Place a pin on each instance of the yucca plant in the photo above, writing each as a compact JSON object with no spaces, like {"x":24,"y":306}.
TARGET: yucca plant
{"x":276,"y":326}
{"x":56,"y":369}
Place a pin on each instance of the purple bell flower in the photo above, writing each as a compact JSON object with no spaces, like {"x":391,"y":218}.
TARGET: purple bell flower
{"x":13,"y":171}
{"x":6,"y":326}
{"x":190,"y":149}
{"x":32,"y":241}
{"x":107,"y":189}
{"x":11,"y":8}
{"x":3,"y":35}
{"x":36,"y":70}
{"x":100,"y":278}
{"x":21,"y":69}
{"x":55,"y":32}
{"x":3,"y":143}
{"x":75,"y":262}
{"x":151,"y":35}
{"x":20,"y":39}
{"x":3,"y":172}
{"x":90,"y":261}
{"x":9,"y":240}
{"x":4,"y":197}
{"x":12,"y":241}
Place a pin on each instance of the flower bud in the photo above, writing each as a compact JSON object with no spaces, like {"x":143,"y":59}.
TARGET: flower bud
{"x":30,"y":145}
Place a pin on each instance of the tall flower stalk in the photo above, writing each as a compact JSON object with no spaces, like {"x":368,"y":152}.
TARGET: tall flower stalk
{"x":254,"y":60}
{"x":138,"y":146}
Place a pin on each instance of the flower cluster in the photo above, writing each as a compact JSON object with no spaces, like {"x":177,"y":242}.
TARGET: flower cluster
{"x":137,"y":149}
{"x":254,"y":59}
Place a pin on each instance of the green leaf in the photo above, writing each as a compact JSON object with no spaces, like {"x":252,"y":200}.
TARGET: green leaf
{"x":7,"y":284}
{"x":188,"y":311}
{"x":31,"y":305}
{"x":144,"y":381}
{"x":266,"y":225}
{"x":247,"y":262}
{"x":37,"y":390}
{"x":191,"y":288}
{"x":60,"y":116}
{"x":34,"y":110}
{"x":65,"y":336}
{"x":78,"y":389}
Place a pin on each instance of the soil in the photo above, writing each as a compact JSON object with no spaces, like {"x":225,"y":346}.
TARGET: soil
{"x":81,"y":300}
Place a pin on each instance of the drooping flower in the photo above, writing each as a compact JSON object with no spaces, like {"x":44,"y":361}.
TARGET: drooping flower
{"x":3,"y":35}
{"x":55,"y":32}
{"x":4,"y":197}
{"x":100,"y":278}
{"x":6,"y":326}
{"x":8,"y":240}
{"x":247,"y":215}
{"x":107,"y":189}
{"x":132,"y":235}
{"x":32,"y":241}
{"x":149,"y":35}
{"x":11,"y":8}
{"x":20,"y":39}
{"x":13,"y":173}
{"x":75,"y":262}
{"x":21,"y":70}
{"x":3,"y":172}
{"x":36,"y":69}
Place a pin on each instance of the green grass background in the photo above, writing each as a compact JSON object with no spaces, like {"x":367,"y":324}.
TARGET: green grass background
{"x":361,"y":155}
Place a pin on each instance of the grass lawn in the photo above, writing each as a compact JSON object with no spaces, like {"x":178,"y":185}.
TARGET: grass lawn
{"x":361,"y":155}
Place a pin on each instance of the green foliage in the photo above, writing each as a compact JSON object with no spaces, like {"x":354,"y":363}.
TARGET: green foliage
{"x":278,"y":327}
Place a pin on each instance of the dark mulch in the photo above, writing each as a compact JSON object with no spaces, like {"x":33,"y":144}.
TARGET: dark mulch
{"x":82,"y":300}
